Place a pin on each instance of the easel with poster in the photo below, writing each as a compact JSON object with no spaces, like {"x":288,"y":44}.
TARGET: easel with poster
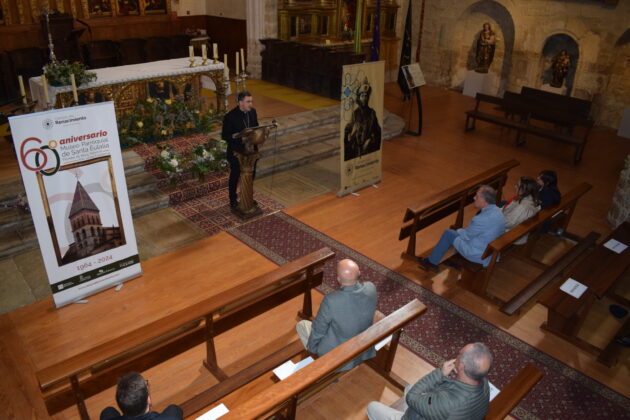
{"x":415,"y":79}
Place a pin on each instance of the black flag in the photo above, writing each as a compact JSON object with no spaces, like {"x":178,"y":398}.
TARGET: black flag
{"x":405,"y":55}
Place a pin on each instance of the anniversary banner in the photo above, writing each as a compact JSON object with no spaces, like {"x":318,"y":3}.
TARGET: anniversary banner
{"x":74,"y":179}
{"x":361,"y":125}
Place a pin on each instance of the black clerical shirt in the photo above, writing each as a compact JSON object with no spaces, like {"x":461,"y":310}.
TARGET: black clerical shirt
{"x":234,"y":122}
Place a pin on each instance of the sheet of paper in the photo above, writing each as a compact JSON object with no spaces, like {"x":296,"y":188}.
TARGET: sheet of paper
{"x":573,"y":287}
{"x":494,"y":391}
{"x":382,"y":343}
{"x":289,"y":368}
{"x":215,"y":413}
{"x":616,"y":246}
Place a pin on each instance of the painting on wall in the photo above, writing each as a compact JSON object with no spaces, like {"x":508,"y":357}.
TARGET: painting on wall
{"x":155,"y":7}
{"x":98,"y":8}
{"x":128,"y":7}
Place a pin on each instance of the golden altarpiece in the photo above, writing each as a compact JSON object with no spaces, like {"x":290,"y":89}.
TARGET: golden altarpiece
{"x":332,"y":23}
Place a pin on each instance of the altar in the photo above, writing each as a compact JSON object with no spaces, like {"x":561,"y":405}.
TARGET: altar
{"x":125,"y":85}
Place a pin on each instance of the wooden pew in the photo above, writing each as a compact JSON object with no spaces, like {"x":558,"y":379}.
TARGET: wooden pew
{"x":453,"y":200}
{"x":534,"y":105}
{"x":475,"y":277}
{"x":600,"y":271}
{"x":85,"y":374}
{"x":284,"y":395}
{"x":512,"y":393}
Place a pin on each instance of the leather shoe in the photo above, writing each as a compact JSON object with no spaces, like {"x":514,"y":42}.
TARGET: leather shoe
{"x":427,"y":265}
{"x":234,"y":204}
{"x":624,"y":341}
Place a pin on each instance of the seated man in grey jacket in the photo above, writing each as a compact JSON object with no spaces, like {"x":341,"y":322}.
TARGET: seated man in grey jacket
{"x":342,"y":315}
{"x":438,"y":396}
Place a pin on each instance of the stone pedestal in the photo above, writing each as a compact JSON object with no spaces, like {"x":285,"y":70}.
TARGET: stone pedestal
{"x":548,"y":88}
{"x":624,"y":125}
{"x":620,"y":208}
{"x":477,"y":82}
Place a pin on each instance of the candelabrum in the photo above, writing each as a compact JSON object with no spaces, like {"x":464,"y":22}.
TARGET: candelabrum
{"x":226,"y":87}
{"x":192,"y":62}
{"x":241,"y":82}
{"x":51,"y":46}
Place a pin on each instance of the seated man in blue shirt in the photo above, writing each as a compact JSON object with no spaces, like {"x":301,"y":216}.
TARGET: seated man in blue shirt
{"x":472,"y":241}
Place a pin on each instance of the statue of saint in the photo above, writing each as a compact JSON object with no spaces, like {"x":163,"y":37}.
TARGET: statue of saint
{"x":485,"y":48}
{"x":560,"y":68}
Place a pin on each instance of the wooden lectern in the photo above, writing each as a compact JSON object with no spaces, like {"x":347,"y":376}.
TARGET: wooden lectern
{"x":252,"y":138}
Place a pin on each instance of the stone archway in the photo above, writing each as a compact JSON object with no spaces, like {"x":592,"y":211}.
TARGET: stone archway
{"x":465,"y":37}
{"x":551,"y":48}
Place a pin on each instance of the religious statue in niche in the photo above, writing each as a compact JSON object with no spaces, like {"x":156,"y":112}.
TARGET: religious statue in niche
{"x":347,"y":19}
{"x":128,"y":7}
{"x":559,"y":68}
{"x":485,"y":48}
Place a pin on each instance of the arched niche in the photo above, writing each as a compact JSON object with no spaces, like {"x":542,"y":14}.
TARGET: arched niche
{"x":616,"y":94}
{"x":551,"y":48}
{"x":465,"y":36}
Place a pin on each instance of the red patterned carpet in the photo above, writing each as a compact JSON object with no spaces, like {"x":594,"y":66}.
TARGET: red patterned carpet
{"x":204,"y":202}
{"x":444,"y":328}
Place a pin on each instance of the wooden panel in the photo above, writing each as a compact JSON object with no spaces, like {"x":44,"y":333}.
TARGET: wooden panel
{"x":230,"y":34}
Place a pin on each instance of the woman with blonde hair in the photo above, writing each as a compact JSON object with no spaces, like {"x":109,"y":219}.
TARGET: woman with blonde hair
{"x":522,"y":206}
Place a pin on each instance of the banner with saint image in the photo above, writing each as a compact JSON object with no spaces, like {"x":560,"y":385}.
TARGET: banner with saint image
{"x":362,"y":87}
{"x":73,"y":174}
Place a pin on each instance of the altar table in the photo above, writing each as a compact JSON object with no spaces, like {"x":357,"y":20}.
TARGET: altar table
{"x":126,"y":84}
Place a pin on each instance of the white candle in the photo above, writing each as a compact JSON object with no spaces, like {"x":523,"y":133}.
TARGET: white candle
{"x":215,"y":51}
{"x":237,"y":72}
{"x":204,"y":52}
{"x":243,"y":60}
{"x":191,"y":51}
{"x":22,"y":91}
{"x":226,"y":71}
{"x":45,"y":86}
{"x":74,"y":89}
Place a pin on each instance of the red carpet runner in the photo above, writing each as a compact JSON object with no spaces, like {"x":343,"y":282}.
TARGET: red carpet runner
{"x":444,"y":328}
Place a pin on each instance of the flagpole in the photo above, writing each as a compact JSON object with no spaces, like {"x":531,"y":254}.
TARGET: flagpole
{"x":358,"y":27}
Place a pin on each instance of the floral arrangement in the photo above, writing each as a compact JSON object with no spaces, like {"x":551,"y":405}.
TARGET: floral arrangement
{"x":169,"y":161}
{"x":208,"y":157}
{"x":161,"y":119}
{"x":201,"y":160}
{"x":58,"y":73}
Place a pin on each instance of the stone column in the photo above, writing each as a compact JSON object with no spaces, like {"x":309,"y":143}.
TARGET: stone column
{"x":620,"y":208}
{"x":262,"y":22}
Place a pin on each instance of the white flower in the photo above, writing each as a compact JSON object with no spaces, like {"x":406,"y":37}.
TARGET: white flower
{"x":165,"y":154}
{"x":174,"y":163}
{"x":204,"y":153}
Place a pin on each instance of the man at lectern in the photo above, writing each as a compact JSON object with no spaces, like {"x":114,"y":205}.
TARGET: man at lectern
{"x":241,"y":117}
{"x":133,"y":399}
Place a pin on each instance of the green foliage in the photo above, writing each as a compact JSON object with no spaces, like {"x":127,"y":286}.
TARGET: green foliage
{"x":58,"y":73}
{"x":208,"y":157}
{"x":158,"y":120}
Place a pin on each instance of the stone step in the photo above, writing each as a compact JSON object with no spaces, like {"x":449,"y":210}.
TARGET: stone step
{"x":17,"y":241}
{"x":283,"y":142}
{"x":304,"y":120}
{"x":296,"y":157}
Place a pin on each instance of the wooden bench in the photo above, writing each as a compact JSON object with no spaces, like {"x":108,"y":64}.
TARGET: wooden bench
{"x":453,"y":200}
{"x":74,"y":379}
{"x":284,"y":395}
{"x":475,"y":277}
{"x":601,"y":271}
{"x":564,"y":112}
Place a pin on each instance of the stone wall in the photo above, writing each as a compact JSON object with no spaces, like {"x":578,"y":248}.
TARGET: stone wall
{"x":523,"y":28}
{"x":620,"y":208}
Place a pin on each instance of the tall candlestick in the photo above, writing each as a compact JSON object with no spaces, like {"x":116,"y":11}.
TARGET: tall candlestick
{"x":74,"y":89}
{"x":226,"y":71}
{"x":237,"y":72}
{"x":22,"y":91}
{"x":191,"y":51}
{"x":204,"y":52}
{"x":45,"y":86}
{"x":243,"y":60}
{"x":215,"y":51}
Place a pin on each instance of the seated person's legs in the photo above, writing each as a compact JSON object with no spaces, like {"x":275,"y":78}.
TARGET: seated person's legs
{"x":303,"y":329}
{"x":380,"y":411}
{"x":445,"y":242}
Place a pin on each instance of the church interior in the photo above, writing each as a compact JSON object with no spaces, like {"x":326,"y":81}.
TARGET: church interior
{"x":214,"y":311}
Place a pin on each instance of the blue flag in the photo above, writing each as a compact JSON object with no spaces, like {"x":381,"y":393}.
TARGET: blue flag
{"x":376,"y":34}
{"x":405,"y":55}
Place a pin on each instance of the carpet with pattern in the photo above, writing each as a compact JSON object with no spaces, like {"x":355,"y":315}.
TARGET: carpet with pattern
{"x":437,"y":335}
